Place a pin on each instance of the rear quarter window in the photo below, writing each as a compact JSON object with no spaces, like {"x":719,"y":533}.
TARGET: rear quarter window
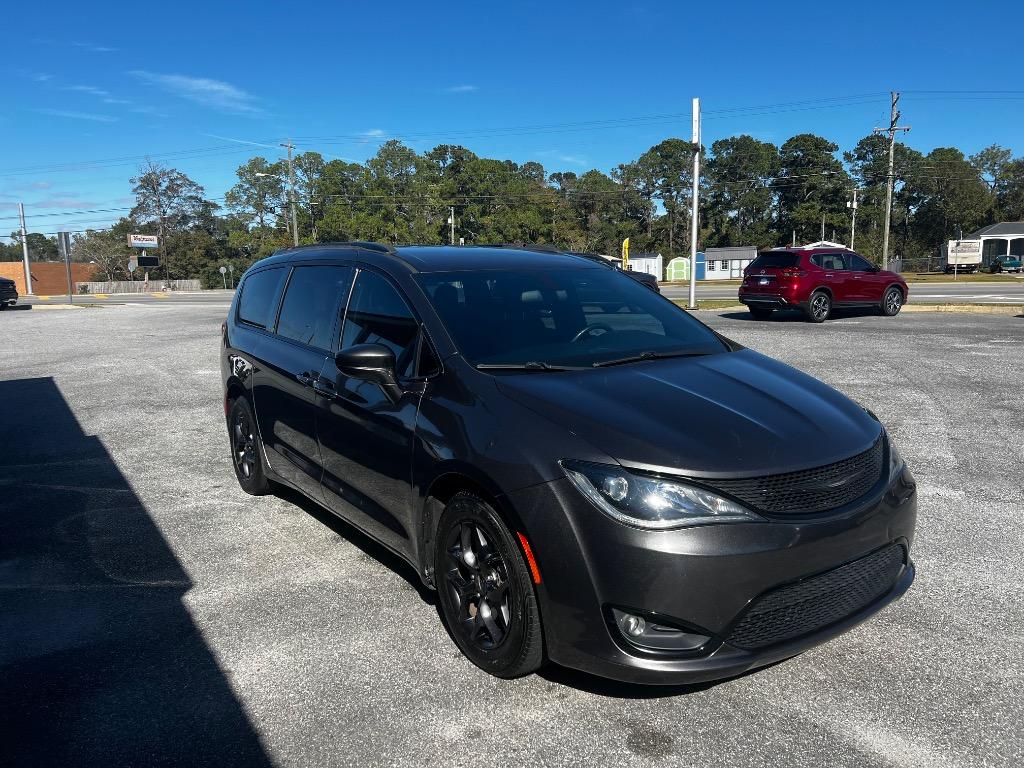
{"x":258,"y":302}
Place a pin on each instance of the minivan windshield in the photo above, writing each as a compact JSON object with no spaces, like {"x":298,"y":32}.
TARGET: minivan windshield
{"x":561,"y":318}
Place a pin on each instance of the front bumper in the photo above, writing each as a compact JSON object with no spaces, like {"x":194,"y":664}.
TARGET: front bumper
{"x":705,"y":578}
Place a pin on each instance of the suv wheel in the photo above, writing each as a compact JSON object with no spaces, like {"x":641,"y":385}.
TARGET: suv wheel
{"x":760,"y":313}
{"x":246,"y":449}
{"x":819,"y":307}
{"x":892,"y":303}
{"x":485,"y":590}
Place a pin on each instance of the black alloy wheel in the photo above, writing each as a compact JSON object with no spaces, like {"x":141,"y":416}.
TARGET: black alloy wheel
{"x":478,"y":579}
{"x":246,"y":448}
{"x":485,"y":590}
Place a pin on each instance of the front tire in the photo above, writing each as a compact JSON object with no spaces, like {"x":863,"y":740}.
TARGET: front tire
{"x":892,"y":302}
{"x":485,"y":590}
{"x":819,"y":307}
{"x":246,"y":449}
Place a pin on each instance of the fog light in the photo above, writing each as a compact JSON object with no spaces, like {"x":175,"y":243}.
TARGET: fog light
{"x":653,"y":635}
{"x":633,"y":626}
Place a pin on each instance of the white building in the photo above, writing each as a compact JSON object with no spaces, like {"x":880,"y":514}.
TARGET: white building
{"x":1004,"y":238}
{"x":726,"y":263}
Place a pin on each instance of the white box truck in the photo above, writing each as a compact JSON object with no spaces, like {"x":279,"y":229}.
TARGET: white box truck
{"x":961,"y":256}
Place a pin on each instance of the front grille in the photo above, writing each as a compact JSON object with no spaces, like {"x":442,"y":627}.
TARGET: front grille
{"x":809,"y":490}
{"x":799,"y":609}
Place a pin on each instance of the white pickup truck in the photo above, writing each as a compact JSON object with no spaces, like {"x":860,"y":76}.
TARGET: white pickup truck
{"x":962,"y":256}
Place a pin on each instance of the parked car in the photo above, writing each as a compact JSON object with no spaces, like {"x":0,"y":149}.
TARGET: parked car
{"x":643,"y":278}
{"x":816,"y":280}
{"x":584,"y":472}
{"x":8,"y":293}
{"x":1005,"y":263}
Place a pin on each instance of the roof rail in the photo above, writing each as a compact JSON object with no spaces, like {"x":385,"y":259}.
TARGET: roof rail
{"x":540,"y":247}
{"x":370,"y":245}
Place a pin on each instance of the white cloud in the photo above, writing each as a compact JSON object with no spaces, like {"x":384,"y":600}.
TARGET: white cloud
{"x":41,"y":77}
{"x":77,"y":115}
{"x":92,"y":90}
{"x":462,"y":89}
{"x":94,"y":48}
{"x":64,"y":202}
{"x":207,"y":92}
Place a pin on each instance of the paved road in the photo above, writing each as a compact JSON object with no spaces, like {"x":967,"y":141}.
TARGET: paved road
{"x":920,"y":293}
{"x":156,"y":297}
{"x":153,"y":614}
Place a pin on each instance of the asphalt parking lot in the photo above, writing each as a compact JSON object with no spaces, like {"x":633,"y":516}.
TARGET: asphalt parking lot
{"x":151,"y":613}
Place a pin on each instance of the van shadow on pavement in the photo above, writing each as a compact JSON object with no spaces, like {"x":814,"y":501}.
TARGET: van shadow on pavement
{"x":100,"y":662}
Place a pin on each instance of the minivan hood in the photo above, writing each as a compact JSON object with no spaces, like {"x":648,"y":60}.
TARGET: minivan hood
{"x":731,"y":414}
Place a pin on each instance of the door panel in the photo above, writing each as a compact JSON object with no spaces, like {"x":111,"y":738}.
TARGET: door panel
{"x":835,"y":275}
{"x":366,"y":440}
{"x":868,"y":281}
{"x":286,"y":404}
{"x":286,"y":412}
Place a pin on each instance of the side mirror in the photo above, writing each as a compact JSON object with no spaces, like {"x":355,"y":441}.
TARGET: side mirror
{"x":371,"y":362}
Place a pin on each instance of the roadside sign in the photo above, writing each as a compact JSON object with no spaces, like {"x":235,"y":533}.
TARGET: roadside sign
{"x":143,"y":241}
{"x":625,"y":253}
{"x":147,"y":260}
{"x":223,"y":270}
{"x":133,"y":265}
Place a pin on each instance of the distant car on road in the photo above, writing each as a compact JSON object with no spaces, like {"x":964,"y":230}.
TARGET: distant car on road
{"x":816,"y":280}
{"x":8,"y":293}
{"x":1005,"y":264}
{"x":645,"y":279}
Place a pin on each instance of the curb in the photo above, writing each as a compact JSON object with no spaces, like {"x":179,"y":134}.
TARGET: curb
{"x":970,"y":309}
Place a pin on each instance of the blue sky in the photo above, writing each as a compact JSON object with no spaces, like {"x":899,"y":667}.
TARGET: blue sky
{"x":91,"y":88}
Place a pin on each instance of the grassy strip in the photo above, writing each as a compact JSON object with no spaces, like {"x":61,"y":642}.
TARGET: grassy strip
{"x":710,"y":303}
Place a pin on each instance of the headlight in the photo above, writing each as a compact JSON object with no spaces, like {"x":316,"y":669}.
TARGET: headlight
{"x":651,"y":502}
{"x":896,"y":462}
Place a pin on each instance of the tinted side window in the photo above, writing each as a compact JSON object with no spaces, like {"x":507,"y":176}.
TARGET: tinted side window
{"x":259,"y":297}
{"x":831,"y":261}
{"x":308,"y":310}
{"x":377,"y":314}
{"x":858,"y":264}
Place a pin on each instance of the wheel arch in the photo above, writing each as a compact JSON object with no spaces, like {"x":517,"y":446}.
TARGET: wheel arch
{"x":447,"y":481}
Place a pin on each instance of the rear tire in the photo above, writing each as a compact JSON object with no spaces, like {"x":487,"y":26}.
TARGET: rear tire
{"x":892,"y":302}
{"x":819,"y":307}
{"x":760,"y":313}
{"x":485,"y":590}
{"x":246,"y":449}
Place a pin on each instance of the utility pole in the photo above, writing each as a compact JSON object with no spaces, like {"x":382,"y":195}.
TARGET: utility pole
{"x":64,"y":246}
{"x":894,"y":118}
{"x":291,"y":182}
{"x":451,"y":223}
{"x":24,"y":248}
{"x":853,"y":222}
{"x":694,"y":217}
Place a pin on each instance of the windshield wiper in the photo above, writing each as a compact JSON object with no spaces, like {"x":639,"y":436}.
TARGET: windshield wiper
{"x":529,"y":365}
{"x":649,"y":355}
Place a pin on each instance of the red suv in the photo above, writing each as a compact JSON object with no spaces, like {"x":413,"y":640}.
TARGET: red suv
{"x":816,"y":280}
